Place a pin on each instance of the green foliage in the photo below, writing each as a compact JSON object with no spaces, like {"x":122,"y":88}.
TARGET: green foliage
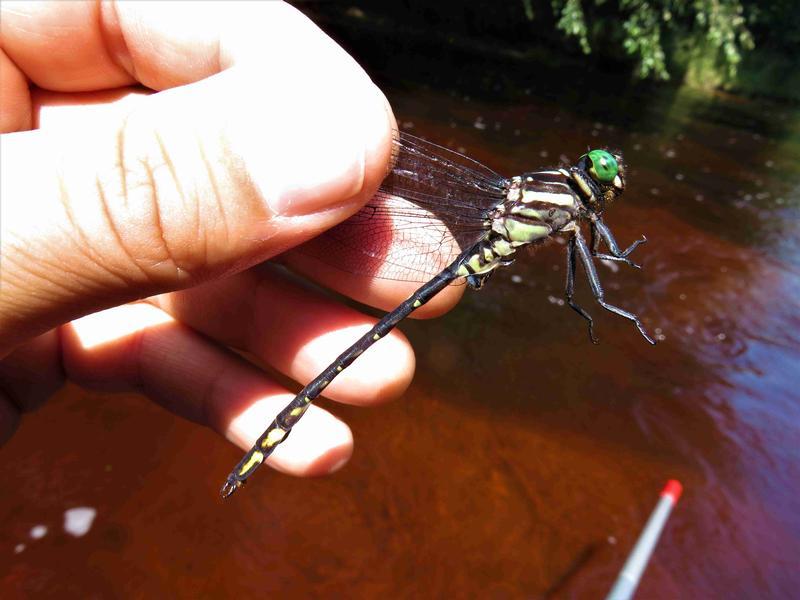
{"x":572,"y":21}
{"x":643,"y":37}
{"x":716,"y":26}
{"x":726,"y":29}
{"x":527,"y":6}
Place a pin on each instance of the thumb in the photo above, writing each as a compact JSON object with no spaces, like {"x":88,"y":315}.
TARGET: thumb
{"x":186,"y":185}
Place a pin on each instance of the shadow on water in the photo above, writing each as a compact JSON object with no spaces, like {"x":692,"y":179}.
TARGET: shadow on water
{"x":524,"y":460}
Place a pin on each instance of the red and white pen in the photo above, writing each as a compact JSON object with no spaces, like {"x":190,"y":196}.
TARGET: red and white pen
{"x":628,"y":579}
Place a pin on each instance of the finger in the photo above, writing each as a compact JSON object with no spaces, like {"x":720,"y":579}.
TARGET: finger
{"x":81,"y":110}
{"x":86,"y":45}
{"x":385,"y":294}
{"x":192,"y":183}
{"x":297,"y":331}
{"x":32,"y":373}
{"x":138,"y":346}
{"x":16,"y":113}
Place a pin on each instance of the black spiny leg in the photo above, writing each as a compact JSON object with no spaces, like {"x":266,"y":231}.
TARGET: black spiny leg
{"x":571,"y":288}
{"x":601,"y":231}
{"x":477,"y":281}
{"x":597,"y":289}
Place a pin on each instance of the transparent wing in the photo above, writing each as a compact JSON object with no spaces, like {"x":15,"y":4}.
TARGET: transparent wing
{"x":432,"y":205}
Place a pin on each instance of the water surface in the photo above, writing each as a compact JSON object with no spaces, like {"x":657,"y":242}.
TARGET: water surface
{"x":523,"y":461}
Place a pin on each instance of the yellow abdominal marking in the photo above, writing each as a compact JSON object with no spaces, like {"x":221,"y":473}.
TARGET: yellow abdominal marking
{"x":502,"y":248}
{"x":274,"y":437}
{"x":475,"y":263}
{"x":417,"y":303}
{"x":256,"y":458}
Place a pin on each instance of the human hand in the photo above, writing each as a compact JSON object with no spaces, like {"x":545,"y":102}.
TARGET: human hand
{"x":261,"y":134}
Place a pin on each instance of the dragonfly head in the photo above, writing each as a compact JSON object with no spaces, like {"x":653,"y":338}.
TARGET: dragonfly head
{"x":605,"y":171}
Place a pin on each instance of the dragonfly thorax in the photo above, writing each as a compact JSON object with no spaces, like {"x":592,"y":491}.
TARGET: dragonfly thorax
{"x":536,"y":206}
{"x":542,"y":203}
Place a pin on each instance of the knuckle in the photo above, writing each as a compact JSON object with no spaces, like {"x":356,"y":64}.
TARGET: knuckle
{"x":162,"y":207}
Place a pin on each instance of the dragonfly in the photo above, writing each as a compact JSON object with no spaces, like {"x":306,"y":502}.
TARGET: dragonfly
{"x":458,"y":221}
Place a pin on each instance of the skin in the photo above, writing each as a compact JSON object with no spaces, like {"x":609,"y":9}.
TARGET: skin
{"x":153,"y":155}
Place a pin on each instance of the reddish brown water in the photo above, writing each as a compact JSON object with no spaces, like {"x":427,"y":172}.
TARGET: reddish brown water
{"x":523,"y":461}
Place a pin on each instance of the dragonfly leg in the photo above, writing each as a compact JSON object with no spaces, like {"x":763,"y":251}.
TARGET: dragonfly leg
{"x":594,"y":238}
{"x":597,"y":289}
{"x":570,"y":289}
{"x":601,"y":231}
{"x":611,"y":257}
{"x":477,"y":280}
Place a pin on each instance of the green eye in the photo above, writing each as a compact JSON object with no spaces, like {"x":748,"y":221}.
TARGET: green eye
{"x":604,"y":166}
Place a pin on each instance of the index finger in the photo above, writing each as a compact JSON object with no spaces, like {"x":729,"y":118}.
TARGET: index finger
{"x":87,"y":46}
